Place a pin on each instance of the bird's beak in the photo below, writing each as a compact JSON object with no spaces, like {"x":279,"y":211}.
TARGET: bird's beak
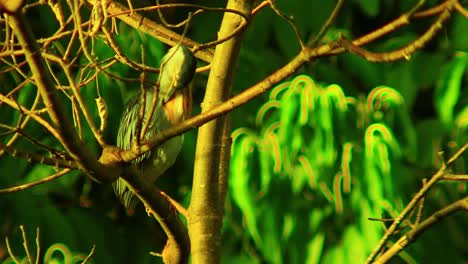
{"x":167,"y":97}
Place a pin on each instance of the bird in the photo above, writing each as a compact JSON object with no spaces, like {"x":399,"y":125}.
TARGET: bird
{"x":166,"y":104}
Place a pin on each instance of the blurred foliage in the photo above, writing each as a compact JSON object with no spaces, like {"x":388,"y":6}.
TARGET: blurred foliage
{"x":326,"y":150}
{"x":318,"y":164}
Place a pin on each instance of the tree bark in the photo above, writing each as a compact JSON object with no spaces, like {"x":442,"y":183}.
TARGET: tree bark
{"x":205,"y":217}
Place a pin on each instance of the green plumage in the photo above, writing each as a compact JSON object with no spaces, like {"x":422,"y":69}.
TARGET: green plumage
{"x":177,"y":70}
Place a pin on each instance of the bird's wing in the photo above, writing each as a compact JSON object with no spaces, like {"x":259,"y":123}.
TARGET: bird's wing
{"x":131,"y":122}
{"x":130,"y":127}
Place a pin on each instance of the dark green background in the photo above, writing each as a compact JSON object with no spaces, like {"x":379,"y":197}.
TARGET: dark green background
{"x":80,"y":213}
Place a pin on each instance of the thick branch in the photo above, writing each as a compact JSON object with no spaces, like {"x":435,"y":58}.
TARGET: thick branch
{"x":178,"y":245}
{"x":204,"y":217}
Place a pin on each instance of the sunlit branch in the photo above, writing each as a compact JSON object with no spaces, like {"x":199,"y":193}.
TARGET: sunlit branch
{"x":34,"y":115}
{"x":161,"y":209}
{"x":152,"y":28}
{"x":51,"y":100}
{"x":412,"y":235}
{"x":403,"y":53}
{"x":36,"y":183}
{"x":455,"y":177}
{"x":415,"y":201}
{"x":306,"y":55}
{"x":461,"y":9}
{"x":392,"y":26}
{"x":180,"y":208}
{"x":58,"y":161}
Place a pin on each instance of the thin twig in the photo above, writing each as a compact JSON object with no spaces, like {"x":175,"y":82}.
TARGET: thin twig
{"x":414,"y":202}
{"x":36,"y":183}
{"x":152,"y":28}
{"x":53,"y":131}
{"x":90,"y":255}
{"x":21,"y":125}
{"x":413,"y":234}
{"x":38,"y":245}
{"x":313,"y":42}
{"x":290,"y":21}
{"x":74,"y":6}
{"x":121,"y":56}
{"x":403,"y":53}
{"x":47,"y":89}
{"x":455,"y":177}
{"x":25,"y":245}
{"x":10,"y":252}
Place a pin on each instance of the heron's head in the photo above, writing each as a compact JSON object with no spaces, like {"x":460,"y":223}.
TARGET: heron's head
{"x":177,"y":70}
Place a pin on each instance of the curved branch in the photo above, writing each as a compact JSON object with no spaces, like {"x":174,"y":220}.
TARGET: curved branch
{"x":403,"y":53}
{"x":414,"y":202}
{"x":36,"y":183}
{"x":412,"y":235}
{"x":177,"y":247}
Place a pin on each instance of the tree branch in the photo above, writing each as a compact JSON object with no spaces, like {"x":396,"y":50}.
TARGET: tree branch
{"x":415,"y":201}
{"x":25,"y":186}
{"x":306,"y":55}
{"x":177,"y":247}
{"x":152,"y":28}
{"x":403,"y":53}
{"x":55,"y":109}
{"x":204,"y":218}
{"x":412,"y":235}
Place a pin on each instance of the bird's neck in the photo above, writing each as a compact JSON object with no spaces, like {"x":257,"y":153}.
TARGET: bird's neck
{"x":179,"y":107}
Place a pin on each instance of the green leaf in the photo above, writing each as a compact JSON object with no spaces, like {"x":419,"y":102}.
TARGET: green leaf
{"x":270,"y":229}
{"x":334,"y":254}
{"x":109,"y":247}
{"x":461,"y":125}
{"x":448,"y":88}
{"x":354,"y":245}
{"x":241,"y":170}
{"x":315,"y":248}
{"x":52,"y":220}
{"x":380,"y":145}
{"x":370,"y":7}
